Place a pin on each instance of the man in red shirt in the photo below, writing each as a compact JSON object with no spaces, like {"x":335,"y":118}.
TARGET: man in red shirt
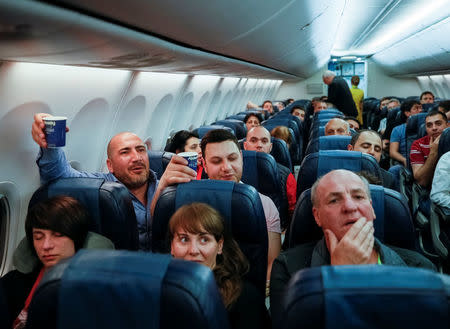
{"x":424,"y":151}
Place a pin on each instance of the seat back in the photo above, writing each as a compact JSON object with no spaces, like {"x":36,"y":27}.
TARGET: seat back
{"x":120,"y":289}
{"x":260,"y":170}
{"x":413,"y":130}
{"x":334,"y":142}
{"x":238,"y":126}
{"x":280,"y":152}
{"x":429,"y":107}
{"x":158,"y":161}
{"x":366,"y":296}
{"x":237,"y":117}
{"x":317,"y":132}
{"x":108,"y":203}
{"x":393,"y":224}
{"x":318,"y":164}
{"x":295,"y":150}
{"x":201,"y":131}
{"x":241,"y":208}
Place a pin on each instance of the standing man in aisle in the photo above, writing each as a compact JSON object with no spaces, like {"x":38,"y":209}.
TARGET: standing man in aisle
{"x":339,"y":94}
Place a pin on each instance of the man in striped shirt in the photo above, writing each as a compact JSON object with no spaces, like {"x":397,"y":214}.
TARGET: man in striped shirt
{"x":424,"y":151}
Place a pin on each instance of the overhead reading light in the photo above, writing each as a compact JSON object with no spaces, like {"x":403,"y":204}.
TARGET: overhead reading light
{"x":348,"y":58}
{"x":404,"y":27}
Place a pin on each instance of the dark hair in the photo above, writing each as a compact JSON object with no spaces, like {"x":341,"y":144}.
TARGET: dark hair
{"x":356,"y":136}
{"x":297,"y":107}
{"x":267,"y":101}
{"x":445,"y":105}
{"x":288,"y":101}
{"x":249,"y":115}
{"x":231,"y":265}
{"x":436,"y":112}
{"x":355,"y":80}
{"x":217,"y":136}
{"x":178,"y":141}
{"x":62,"y":214}
{"x":427,"y":92}
{"x":352,"y":118}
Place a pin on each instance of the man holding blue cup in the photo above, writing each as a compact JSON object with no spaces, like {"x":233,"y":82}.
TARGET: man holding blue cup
{"x":127,"y":163}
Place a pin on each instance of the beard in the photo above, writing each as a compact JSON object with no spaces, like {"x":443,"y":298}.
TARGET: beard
{"x":133,"y":181}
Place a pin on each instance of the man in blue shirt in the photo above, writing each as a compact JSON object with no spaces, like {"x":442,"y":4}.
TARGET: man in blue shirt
{"x":127,"y":163}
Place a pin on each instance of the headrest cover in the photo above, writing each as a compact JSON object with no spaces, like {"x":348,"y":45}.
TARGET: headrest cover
{"x":108,"y":286}
{"x":206,"y":191}
{"x":250,"y":169}
{"x":369,"y":296}
{"x":86,"y":191}
{"x":330,"y":160}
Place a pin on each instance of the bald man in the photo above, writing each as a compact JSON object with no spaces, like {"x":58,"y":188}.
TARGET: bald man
{"x":342,"y":207}
{"x":127,"y":163}
{"x":258,"y":139}
{"x":337,"y":126}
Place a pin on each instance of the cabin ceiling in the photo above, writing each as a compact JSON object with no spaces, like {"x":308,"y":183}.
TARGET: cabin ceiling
{"x":252,"y":38}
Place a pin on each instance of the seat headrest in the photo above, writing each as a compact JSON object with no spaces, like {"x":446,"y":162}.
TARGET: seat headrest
{"x":393,"y":224}
{"x":334,"y":142}
{"x":239,"y":204}
{"x":280,"y":152}
{"x":108,"y":203}
{"x":120,"y":289}
{"x":158,"y":161}
{"x":367,"y":296}
{"x":201,"y":131}
{"x":315,"y":165}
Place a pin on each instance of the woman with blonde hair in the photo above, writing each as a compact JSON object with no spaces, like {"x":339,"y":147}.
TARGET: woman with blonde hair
{"x":197,"y":233}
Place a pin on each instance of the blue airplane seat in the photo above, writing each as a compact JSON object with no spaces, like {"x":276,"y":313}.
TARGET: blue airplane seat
{"x":108,"y":203}
{"x":158,"y":161}
{"x":280,"y":152}
{"x":122,"y":289}
{"x":260,"y":170}
{"x":295,"y":149}
{"x":315,"y":133}
{"x":429,"y":107}
{"x":241,"y":208}
{"x":291,"y":122}
{"x":238,"y":126}
{"x":327,"y":115}
{"x":318,"y":164}
{"x":237,"y":117}
{"x":327,"y":112}
{"x":319,"y":123}
{"x":334,"y":142}
{"x":393,"y":224}
{"x":201,"y":131}
{"x":413,"y":130}
{"x":366,"y":296}
{"x":444,"y":143}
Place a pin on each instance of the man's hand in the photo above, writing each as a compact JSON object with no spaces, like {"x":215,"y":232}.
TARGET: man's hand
{"x":355,"y":247}
{"x":434,"y":144}
{"x":37,"y":129}
{"x":177,"y":172}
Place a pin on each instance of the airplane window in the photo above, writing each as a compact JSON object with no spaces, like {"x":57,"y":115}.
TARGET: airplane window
{"x":4,"y":220}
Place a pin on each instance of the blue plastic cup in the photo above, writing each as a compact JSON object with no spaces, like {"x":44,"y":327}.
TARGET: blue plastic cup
{"x":55,"y":131}
{"x":191,"y":157}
